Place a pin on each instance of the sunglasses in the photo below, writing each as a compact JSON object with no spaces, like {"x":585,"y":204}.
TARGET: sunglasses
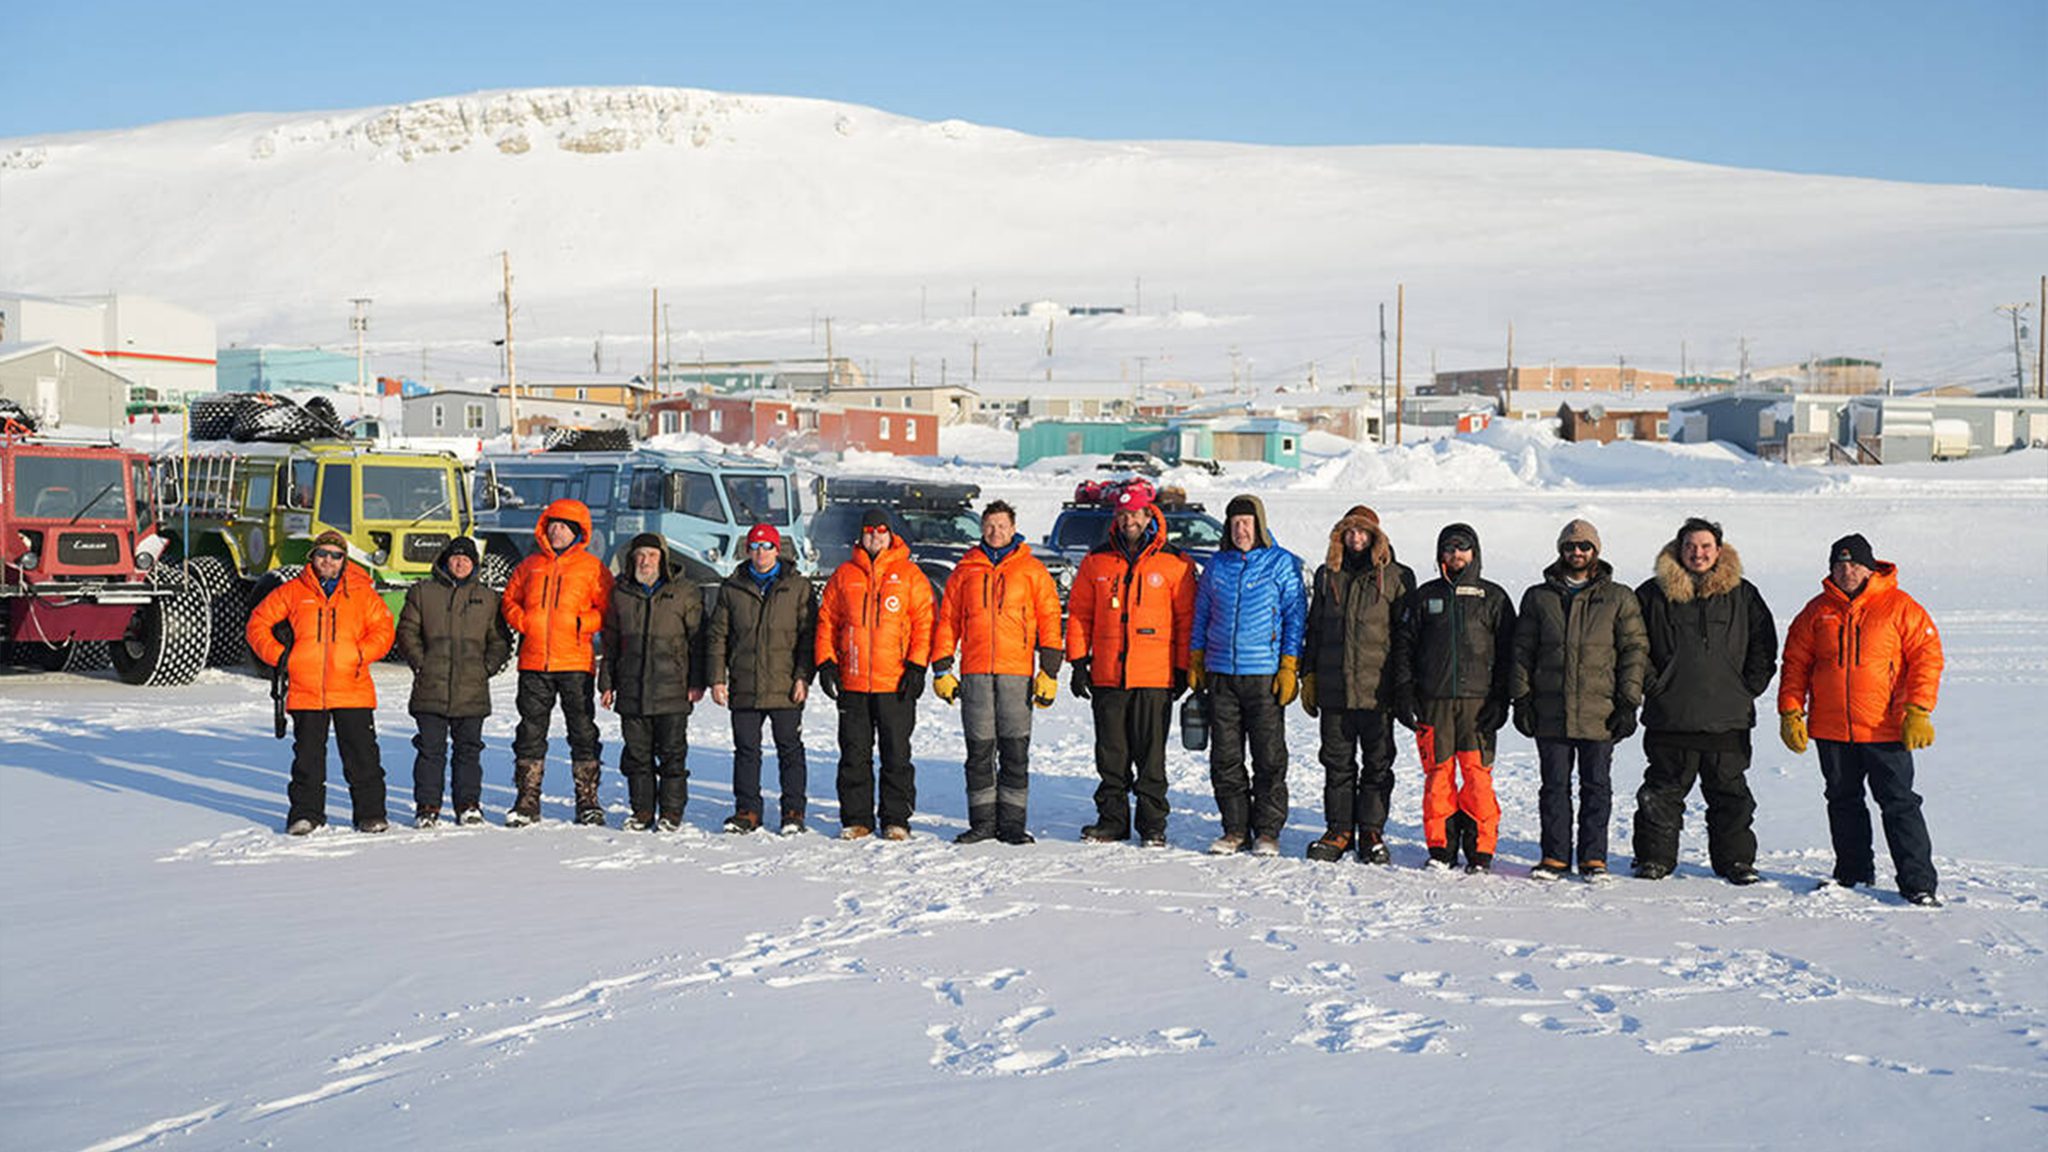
{"x":328,"y":554}
{"x":761,"y":546}
{"x":1575,"y":546}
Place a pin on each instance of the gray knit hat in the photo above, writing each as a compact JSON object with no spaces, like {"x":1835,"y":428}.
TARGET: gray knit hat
{"x":1580,"y":530}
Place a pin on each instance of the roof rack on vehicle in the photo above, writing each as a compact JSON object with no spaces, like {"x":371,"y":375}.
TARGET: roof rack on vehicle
{"x":890,"y":490}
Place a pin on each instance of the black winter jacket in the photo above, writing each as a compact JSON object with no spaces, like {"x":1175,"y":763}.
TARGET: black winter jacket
{"x":760,"y":646}
{"x":1579,"y":656}
{"x":451,"y":634}
{"x":653,"y":645}
{"x":1457,"y":637}
{"x":1713,"y":647}
{"x":1354,"y":610}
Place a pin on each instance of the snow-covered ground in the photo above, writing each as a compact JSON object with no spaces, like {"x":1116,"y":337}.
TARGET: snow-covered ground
{"x":175,"y":973}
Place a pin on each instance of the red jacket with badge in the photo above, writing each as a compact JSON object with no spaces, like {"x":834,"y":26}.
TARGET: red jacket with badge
{"x":998,"y":615}
{"x":1131,"y":616}
{"x":876,"y":617}
{"x":1861,"y":661}
{"x":556,"y":602}
{"x":335,"y":638}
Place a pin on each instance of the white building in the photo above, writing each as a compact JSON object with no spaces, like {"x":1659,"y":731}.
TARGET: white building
{"x":164,"y":351}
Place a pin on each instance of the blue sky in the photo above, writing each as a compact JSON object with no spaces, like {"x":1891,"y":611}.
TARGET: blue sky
{"x":1948,"y":91}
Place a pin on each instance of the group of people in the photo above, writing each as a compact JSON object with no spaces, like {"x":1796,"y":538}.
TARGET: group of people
{"x":1577,"y":666}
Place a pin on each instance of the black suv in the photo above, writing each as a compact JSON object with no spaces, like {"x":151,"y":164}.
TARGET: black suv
{"x":936,"y":520}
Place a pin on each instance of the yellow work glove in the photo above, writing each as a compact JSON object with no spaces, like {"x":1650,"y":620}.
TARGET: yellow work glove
{"x":1308,"y":694}
{"x":946,"y":687}
{"x":1197,"y":675}
{"x":1043,"y":688}
{"x":1792,"y":730}
{"x":1919,"y":727}
{"x":1287,"y":681}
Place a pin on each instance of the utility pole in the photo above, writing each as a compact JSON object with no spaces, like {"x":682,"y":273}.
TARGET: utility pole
{"x":1742,"y":374}
{"x":596,"y":355}
{"x":2019,"y":333}
{"x":831,"y":366}
{"x":654,"y":364}
{"x":974,"y":371}
{"x":974,"y":301}
{"x":360,"y":324}
{"x":1400,"y":338}
{"x":1138,"y":296}
{"x":1383,"y":374}
{"x":1507,"y":384}
{"x":1233,"y":369}
{"x":1048,"y":348}
{"x":511,"y":364}
{"x":668,"y":344}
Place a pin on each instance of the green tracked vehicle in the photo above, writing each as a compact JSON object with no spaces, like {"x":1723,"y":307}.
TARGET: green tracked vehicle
{"x":244,"y":515}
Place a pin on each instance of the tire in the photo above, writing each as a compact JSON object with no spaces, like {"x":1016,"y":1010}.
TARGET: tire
{"x":167,"y":638}
{"x":228,"y":608}
{"x":495,"y":571}
{"x":82,"y":656}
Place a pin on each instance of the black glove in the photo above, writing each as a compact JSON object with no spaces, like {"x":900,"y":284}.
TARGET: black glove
{"x":1180,"y":683}
{"x":1525,"y":717}
{"x":1081,"y":667}
{"x":1403,"y":708}
{"x":1621,"y":723}
{"x":828,"y":678}
{"x":911,"y":686}
{"x":1493,"y":714}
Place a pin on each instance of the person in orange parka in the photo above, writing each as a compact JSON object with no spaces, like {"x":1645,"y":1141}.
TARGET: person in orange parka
{"x":1002,"y":610}
{"x":874,"y":643}
{"x":555,"y":600}
{"x":337,"y":627}
{"x":1865,"y":658}
{"x":1130,"y":617}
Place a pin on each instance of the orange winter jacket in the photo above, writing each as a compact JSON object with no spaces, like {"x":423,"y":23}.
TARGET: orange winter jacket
{"x":1131,"y":617}
{"x":556,"y":602}
{"x":1854,"y":665}
{"x":335,"y":638}
{"x":876,"y":617}
{"x":998,"y":615}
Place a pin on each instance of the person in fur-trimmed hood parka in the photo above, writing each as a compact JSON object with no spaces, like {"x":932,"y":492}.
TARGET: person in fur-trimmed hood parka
{"x":1355,"y":604}
{"x":1713,"y":651}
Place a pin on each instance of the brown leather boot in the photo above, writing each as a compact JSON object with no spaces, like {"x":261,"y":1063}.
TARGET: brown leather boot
{"x":588,"y":810}
{"x":526,"y":776}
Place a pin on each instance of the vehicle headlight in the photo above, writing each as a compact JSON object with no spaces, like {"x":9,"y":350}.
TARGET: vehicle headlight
{"x":379,"y":557}
{"x":29,"y":560}
{"x":144,"y":561}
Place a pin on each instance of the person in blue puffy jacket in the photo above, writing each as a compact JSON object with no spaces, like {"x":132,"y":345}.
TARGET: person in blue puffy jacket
{"x":1250,"y":613}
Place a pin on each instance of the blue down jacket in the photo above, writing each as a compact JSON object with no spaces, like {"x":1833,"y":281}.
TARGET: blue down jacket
{"x":1250,"y":607}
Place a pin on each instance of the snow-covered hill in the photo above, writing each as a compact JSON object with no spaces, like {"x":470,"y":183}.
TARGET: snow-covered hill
{"x":757,"y":216}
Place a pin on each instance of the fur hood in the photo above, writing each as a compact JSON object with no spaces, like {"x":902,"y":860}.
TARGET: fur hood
{"x":1367,"y":520}
{"x":1681,"y":587}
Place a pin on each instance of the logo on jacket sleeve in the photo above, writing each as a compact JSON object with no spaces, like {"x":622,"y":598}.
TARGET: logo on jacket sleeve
{"x":893,"y":604}
{"x":1155,"y":579}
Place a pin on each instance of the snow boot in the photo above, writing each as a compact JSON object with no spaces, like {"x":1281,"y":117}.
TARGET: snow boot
{"x":1548,"y":869}
{"x":1016,"y":836}
{"x":640,"y":798}
{"x":1743,"y":875}
{"x":741,"y":823}
{"x":1372,"y":849}
{"x":526,"y":775}
{"x":1334,"y":844}
{"x":673,"y":794}
{"x":981,"y":818}
{"x":1461,"y":832}
{"x":588,"y":809}
{"x":427,"y":818}
{"x":1103,"y":832}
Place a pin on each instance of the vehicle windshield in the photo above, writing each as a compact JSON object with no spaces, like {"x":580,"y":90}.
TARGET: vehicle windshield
{"x":758,"y":499}
{"x":393,"y":492}
{"x":958,"y":528}
{"x":69,"y":487}
{"x":1194,"y":530}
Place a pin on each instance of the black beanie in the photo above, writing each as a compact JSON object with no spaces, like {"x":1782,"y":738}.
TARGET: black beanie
{"x":460,"y":546}
{"x":1852,"y":547}
{"x":647,"y":540}
{"x":875,"y":518}
{"x":1240,"y":506}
